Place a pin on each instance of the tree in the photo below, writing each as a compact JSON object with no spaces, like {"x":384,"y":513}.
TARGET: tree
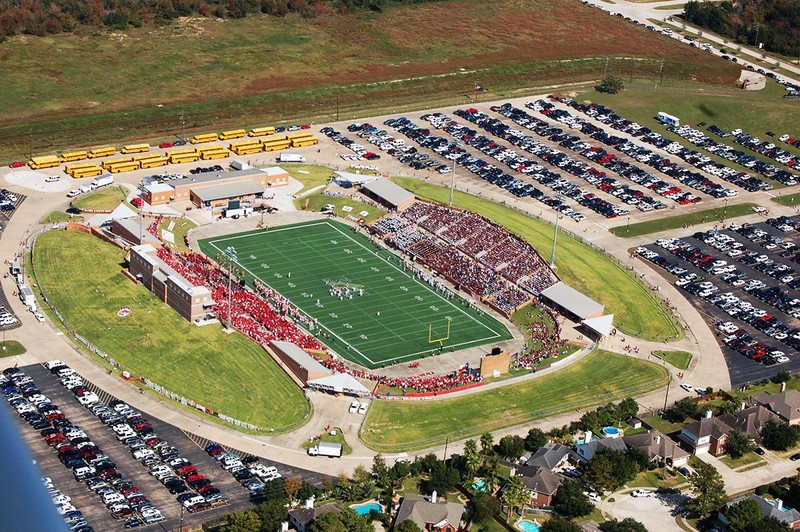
{"x":535,"y":440}
{"x":570,"y":500}
{"x":293,"y":485}
{"x":511,"y":447}
{"x":744,"y":515}
{"x":708,"y":488}
{"x":559,"y":524}
{"x":272,"y":513}
{"x":380,"y":471}
{"x":609,"y":470}
{"x":514,"y":495}
{"x":768,"y":524}
{"x":407,"y":526}
{"x":685,"y":408}
{"x":344,"y":480}
{"x":629,"y":524}
{"x":627,"y":408}
{"x":610,"y":85}
{"x":472,"y":459}
{"x":360,"y":474}
{"x":738,"y":444}
{"x":486,"y":507}
{"x":487,"y":444}
{"x":779,"y":436}
{"x":345,"y":521}
{"x":443,"y":478}
{"x":241,"y":522}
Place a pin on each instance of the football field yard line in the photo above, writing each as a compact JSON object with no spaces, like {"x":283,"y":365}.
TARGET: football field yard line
{"x":317,"y":255}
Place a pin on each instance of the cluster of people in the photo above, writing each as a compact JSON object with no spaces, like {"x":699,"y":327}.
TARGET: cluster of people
{"x":509,"y":299}
{"x":393,"y":223}
{"x":469,"y":225}
{"x":153,"y":227}
{"x":541,"y":342}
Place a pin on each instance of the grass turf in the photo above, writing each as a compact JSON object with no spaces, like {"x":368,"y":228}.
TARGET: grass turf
{"x":179,"y":229}
{"x":388,"y":324}
{"x":682,"y":220}
{"x":317,"y":200}
{"x":679,"y":359}
{"x":105,"y":199}
{"x":311,"y":175}
{"x":788,"y":200}
{"x":201,"y":363}
{"x":11,"y":348}
{"x":600,"y":377}
{"x":585,"y":268}
{"x":55,"y":217}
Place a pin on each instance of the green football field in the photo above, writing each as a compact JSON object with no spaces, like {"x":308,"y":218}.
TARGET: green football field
{"x":388,"y":318}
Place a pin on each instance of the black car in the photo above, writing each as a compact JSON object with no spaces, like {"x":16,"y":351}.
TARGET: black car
{"x":759,"y":451}
{"x":795,"y":457}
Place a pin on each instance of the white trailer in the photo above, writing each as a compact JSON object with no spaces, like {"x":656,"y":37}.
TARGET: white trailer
{"x":102,"y":181}
{"x":26,"y":296}
{"x":237,"y":213}
{"x":291,"y":158}
{"x":331,"y":450}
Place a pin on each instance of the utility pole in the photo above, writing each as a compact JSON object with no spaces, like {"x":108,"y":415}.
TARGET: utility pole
{"x":230,"y":254}
{"x":666,"y":397}
{"x":605,"y":68}
{"x":30,"y":144}
{"x":661,"y":72}
{"x":555,"y":239}
{"x":446,"y":441}
{"x":756,"y":43}
{"x":337,"y":104}
{"x":183,"y":126}
{"x":453,"y":178}
{"x":477,"y":88}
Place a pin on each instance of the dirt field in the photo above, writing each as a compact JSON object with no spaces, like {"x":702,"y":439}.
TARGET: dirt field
{"x":264,"y":70}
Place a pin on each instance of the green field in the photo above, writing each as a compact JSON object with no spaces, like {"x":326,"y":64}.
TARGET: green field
{"x":180,"y":227}
{"x":600,"y":377}
{"x":315,"y":201}
{"x":683,"y":220}
{"x":11,"y":348}
{"x":585,"y":268}
{"x":788,"y":200}
{"x":388,"y":324}
{"x":106,"y":199}
{"x":679,"y":359}
{"x":201,"y":363}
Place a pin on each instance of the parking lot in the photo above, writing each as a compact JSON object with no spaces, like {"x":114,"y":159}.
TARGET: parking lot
{"x":744,"y":280}
{"x":233,"y":494}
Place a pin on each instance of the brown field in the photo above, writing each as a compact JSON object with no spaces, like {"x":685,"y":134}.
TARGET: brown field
{"x":266,"y":70}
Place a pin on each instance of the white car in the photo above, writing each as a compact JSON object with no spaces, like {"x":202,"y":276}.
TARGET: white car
{"x":39,"y":316}
{"x":353,"y":407}
{"x":641,"y":493}
{"x":73,"y":193}
{"x":363,"y":408}
{"x":688,"y":387}
{"x":52,"y":179}
{"x":592,"y":496}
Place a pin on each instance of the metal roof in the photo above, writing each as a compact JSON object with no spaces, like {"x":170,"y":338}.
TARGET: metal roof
{"x":303,"y":359}
{"x":572,"y":300}
{"x":388,"y":191}
{"x":228,"y":190}
{"x":207,"y":177}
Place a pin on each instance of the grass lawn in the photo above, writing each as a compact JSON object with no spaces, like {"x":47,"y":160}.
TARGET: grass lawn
{"x":600,"y":377}
{"x":327,"y":438}
{"x":662,"y":425}
{"x":745,"y":459}
{"x":104,"y":199}
{"x":11,"y":348}
{"x":679,"y":359}
{"x":656,"y":479}
{"x":770,"y":387}
{"x":342,"y":206}
{"x":55,"y":217}
{"x":225,"y":372}
{"x":678,"y":222}
{"x":180,"y":227}
{"x":388,"y":324}
{"x":789,"y":200}
{"x":637,"y":312}
{"x":311,"y":175}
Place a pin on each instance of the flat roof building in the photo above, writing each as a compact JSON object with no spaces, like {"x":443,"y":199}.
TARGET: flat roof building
{"x":388,"y":194}
{"x":192,"y":302}
{"x":181,"y":189}
{"x":575,"y":303}
{"x":218,"y":195}
{"x":301,"y":364}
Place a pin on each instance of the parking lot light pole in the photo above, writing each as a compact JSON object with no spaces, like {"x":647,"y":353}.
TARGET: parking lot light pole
{"x":453,"y":178}
{"x":555,"y":239}
{"x":230,"y":254}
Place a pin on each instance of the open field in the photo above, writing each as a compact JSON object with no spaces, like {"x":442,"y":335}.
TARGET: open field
{"x":682,"y":220}
{"x":55,"y":217}
{"x":179,"y":230}
{"x":311,"y":175}
{"x":201,"y":363}
{"x":214,"y":71}
{"x":600,"y":377}
{"x":679,"y":359}
{"x":585,"y":268}
{"x":391,"y":322}
{"x":11,"y":348}
{"x":105,"y":199}
{"x":755,"y":112}
{"x":788,"y":200}
{"x":342,"y":206}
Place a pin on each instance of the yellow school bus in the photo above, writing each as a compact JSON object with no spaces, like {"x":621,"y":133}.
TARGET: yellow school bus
{"x":102,"y":152}
{"x":246,"y":148}
{"x":205,"y":137}
{"x":105,"y":164}
{"x":46,"y":161}
{"x":188,"y":157}
{"x":309,"y":141}
{"x":91,"y":170}
{"x":123,"y":167}
{"x":262,"y":131}
{"x":220,"y":153}
{"x":276,"y":144}
{"x":152,"y":162}
{"x":232,"y":134}
{"x":73,"y":156}
{"x":135,"y":148}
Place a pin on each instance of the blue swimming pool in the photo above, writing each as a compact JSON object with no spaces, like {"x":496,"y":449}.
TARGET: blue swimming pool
{"x":367,"y":507}
{"x":527,"y":526}
{"x":480,"y":486}
{"x":611,"y":432}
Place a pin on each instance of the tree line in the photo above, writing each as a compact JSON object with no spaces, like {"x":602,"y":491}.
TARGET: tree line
{"x":43,"y":17}
{"x":776,"y":23}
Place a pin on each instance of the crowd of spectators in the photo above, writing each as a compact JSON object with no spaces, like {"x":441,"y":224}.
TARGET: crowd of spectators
{"x":541,"y":342}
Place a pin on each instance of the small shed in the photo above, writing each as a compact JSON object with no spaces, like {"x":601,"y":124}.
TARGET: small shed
{"x":388,"y":194}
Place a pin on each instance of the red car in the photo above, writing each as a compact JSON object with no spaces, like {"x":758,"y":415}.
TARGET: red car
{"x":305,"y":126}
{"x":166,"y":145}
{"x":137,"y":202}
{"x":16,"y":164}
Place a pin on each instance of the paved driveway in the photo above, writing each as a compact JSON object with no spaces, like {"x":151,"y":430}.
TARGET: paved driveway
{"x":656,"y":513}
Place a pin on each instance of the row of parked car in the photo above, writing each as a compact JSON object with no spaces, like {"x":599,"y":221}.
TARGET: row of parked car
{"x":452,"y":151}
{"x":703,"y":162}
{"x":73,"y":517}
{"x":721,"y":149}
{"x":397,"y":148}
{"x":361,"y":151}
{"x":247,"y":470}
{"x":636,"y":151}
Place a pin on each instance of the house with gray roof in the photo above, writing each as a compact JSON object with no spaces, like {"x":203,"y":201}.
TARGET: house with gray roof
{"x":551,"y":456}
{"x":430,"y":513}
{"x":587,"y":449}
{"x":542,"y":484}
{"x":785,"y":404}
{"x":658,"y":448}
{"x":302,"y":518}
{"x":789,"y":516}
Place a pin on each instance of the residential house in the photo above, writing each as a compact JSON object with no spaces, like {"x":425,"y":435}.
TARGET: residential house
{"x":658,"y":448}
{"x":542,"y":483}
{"x":430,"y":513}
{"x":776,"y":509}
{"x":302,"y":518}
{"x":749,"y":420}
{"x":590,"y":446}
{"x":551,"y":456}
{"x":709,"y":435}
{"x":785,"y":404}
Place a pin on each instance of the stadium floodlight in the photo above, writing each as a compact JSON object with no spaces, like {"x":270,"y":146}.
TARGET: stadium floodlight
{"x":555,"y":235}
{"x":453,"y":174}
{"x":230,"y":254}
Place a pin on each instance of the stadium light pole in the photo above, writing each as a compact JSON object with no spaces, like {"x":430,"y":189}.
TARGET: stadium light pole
{"x":453,"y":176}
{"x":555,"y":237}
{"x":230,"y":254}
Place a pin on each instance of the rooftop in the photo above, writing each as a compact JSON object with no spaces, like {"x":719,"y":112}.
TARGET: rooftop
{"x":571,"y":299}
{"x":388,"y":191}
{"x":228,"y":190}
